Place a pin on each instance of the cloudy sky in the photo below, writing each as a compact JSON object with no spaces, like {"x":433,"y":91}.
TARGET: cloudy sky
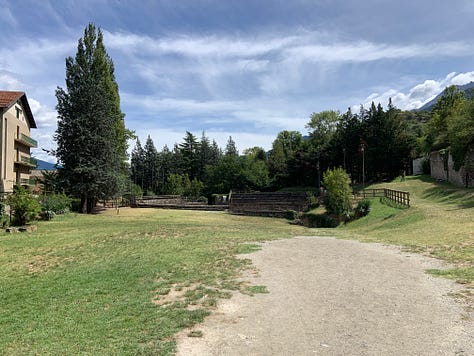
{"x":242,"y":68}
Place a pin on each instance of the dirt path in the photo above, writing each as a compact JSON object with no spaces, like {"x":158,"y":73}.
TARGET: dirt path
{"x":337,"y":297}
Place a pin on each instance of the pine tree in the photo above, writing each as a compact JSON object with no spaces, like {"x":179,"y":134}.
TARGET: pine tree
{"x":189,"y":151}
{"x":151,"y":166}
{"x":137,"y":165}
{"x":231,"y":149}
{"x":91,"y":135}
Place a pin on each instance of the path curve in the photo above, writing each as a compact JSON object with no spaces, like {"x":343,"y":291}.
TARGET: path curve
{"x":337,"y":297}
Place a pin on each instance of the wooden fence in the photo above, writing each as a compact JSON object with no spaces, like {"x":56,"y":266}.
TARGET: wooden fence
{"x":397,"y":196}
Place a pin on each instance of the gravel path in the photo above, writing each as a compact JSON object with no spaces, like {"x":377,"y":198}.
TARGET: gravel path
{"x":337,"y":297}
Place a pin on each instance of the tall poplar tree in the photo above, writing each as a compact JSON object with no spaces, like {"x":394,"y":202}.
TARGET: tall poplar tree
{"x":91,"y":135}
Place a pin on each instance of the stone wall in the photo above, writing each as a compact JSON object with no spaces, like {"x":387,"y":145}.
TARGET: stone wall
{"x":442,"y":170}
{"x":418,"y":166}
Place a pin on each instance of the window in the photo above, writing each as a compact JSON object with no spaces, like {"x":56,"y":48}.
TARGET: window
{"x":18,"y":112}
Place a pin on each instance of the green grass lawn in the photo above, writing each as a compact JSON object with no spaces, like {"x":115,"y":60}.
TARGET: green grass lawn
{"x":125,"y":284}
{"x":98,"y":284}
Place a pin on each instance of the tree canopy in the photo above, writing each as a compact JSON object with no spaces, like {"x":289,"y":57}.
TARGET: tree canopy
{"x":91,"y":135}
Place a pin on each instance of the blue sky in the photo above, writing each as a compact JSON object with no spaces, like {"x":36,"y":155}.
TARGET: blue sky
{"x":240,"y":68}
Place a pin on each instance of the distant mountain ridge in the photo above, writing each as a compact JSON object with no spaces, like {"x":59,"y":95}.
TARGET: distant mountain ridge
{"x":466,"y":88}
{"x":44,"y":166}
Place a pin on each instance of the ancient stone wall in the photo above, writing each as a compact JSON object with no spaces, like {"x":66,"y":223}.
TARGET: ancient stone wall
{"x":442,"y":168}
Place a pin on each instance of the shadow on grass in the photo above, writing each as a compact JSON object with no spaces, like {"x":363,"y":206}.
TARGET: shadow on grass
{"x":447,"y":193}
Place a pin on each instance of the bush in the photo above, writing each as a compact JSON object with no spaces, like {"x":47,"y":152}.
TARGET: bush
{"x":362,"y":208}
{"x":337,"y":183}
{"x":312,"y":201}
{"x":56,"y":203}
{"x":320,"y":220}
{"x":25,"y":207}
{"x":291,"y":215}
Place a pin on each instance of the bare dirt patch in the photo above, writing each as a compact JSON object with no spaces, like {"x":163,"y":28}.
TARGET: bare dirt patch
{"x":337,"y":297}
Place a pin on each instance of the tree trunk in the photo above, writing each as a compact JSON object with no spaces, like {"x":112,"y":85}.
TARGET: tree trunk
{"x":84,"y":204}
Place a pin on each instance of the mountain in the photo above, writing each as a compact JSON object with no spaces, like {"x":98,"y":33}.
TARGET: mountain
{"x":466,"y":88}
{"x":44,"y":166}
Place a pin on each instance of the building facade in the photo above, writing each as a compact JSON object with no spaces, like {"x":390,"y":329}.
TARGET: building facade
{"x":15,"y":141}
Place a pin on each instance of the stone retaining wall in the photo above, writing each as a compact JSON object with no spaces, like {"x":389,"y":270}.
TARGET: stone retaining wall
{"x":444,"y":170}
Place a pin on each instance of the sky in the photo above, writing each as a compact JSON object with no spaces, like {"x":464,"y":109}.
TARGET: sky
{"x":242,"y":68}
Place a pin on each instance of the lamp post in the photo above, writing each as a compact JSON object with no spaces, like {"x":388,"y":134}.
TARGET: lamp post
{"x":319,"y":173}
{"x":362,"y":148}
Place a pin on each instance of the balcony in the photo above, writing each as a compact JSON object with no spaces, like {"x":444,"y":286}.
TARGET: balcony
{"x":27,"y":141}
{"x":24,"y":181}
{"x":26,"y":161}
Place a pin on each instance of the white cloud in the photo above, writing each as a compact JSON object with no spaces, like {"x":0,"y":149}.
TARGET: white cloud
{"x":425,"y":90}
{"x":367,"y":51}
{"x":197,"y":46}
{"x":462,"y":78}
{"x":9,"y":82}
{"x":45,"y":116}
{"x":245,"y":115}
{"x":420,"y":94}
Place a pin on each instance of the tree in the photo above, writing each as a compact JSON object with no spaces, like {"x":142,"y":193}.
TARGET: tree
{"x":284,"y":149}
{"x":231,"y":149}
{"x":337,"y":183}
{"x":174,"y":184}
{"x":50,"y":182}
{"x":189,"y":151}
{"x":437,"y":130}
{"x":91,"y":135}
{"x":255,"y":169}
{"x":166,"y":162}
{"x":151,"y":167}
{"x":460,"y":127}
{"x":322,"y":128}
{"x":208,"y":154}
{"x":137,"y":165}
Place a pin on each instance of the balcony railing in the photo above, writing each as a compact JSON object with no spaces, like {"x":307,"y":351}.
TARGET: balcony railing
{"x":27,"y":161}
{"x":24,"y":181}
{"x":27,"y":140}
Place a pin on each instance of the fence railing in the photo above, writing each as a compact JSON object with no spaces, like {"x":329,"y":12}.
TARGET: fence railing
{"x":27,"y":140}
{"x":397,"y":196}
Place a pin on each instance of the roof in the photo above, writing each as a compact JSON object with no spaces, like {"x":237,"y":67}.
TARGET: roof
{"x":9,"y":98}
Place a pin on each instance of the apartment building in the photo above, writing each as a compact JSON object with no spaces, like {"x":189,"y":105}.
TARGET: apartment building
{"x":15,"y":141}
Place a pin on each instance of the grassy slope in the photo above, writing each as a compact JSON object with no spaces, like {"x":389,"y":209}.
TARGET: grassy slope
{"x":85,"y":284}
{"x":440,"y":222}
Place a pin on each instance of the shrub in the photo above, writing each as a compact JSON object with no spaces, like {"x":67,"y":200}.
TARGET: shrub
{"x":337,"y":183}
{"x":135,"y":190}
{"x":56,"y":203}
{"x":312,"y":201}
{"x":362,"y":208}
{"x":291,"y":215}
{"x":25,"y":207}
